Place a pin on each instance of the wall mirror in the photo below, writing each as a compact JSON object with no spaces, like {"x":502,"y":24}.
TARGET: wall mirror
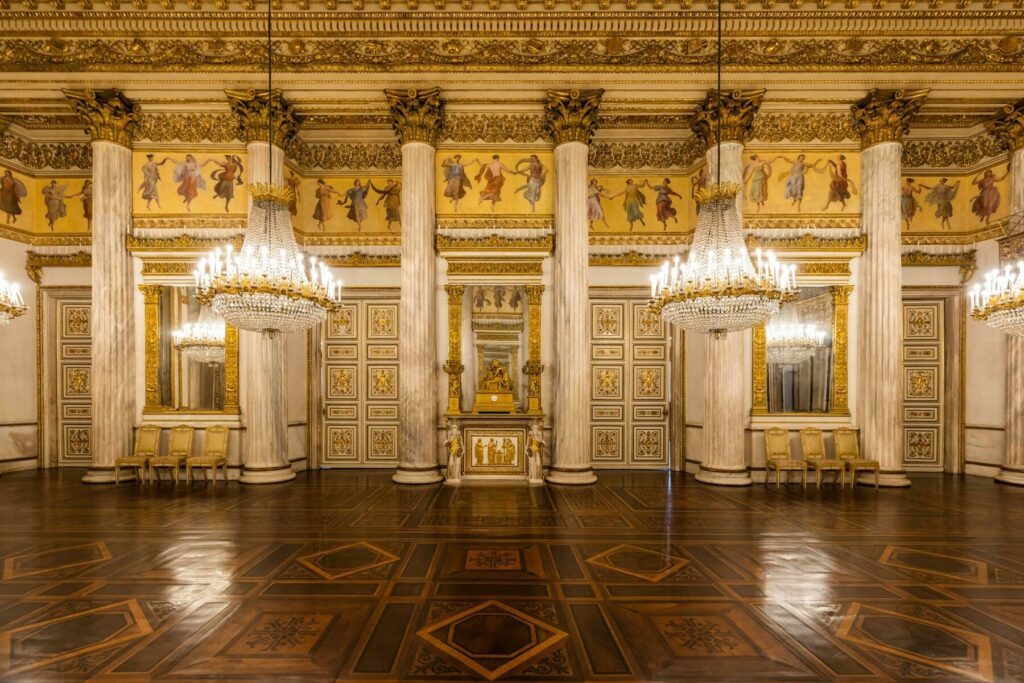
{"x":498,"y":323}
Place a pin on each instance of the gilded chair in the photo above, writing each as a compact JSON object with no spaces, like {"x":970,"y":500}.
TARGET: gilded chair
{"x":778,"y":458}
{"x":215,"y":452}
{"x":848,"y":450}
{"x":812,"y":445}
{"x":147,"y":445}
{"x":179,"y":449}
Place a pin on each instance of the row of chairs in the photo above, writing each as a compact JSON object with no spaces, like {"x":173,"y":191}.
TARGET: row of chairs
{"x":147,"y":458}
{"x":847,"y":458}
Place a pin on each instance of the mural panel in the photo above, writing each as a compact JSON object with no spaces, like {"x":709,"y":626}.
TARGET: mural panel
{"x":480,"y":183}
{"x":182,"y":183}
{"x":45,"y":205}
{"x":643,"y":202}
{"x":359,"y":204}
{"x":797,"y":182}
{"x":946,"y":203}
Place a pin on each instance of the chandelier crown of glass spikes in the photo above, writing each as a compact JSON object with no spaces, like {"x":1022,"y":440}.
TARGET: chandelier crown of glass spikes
{"x":11,"y":303}
{"x":999,"y":300}
{"x":203,"y":340}
{"x":790,"y":342}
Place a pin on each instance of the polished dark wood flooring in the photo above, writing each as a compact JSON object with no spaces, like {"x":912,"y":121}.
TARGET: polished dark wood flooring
{"x":343,"y":575}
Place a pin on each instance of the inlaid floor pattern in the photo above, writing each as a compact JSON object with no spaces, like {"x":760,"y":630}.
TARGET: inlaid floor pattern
{"x":343,"y":575}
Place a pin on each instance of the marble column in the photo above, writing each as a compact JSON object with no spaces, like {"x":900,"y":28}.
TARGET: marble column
{"x":416,"y":117}
{"x":1008,"y":128}
{"x":262,"y":362}
{"x":570,"y":121}
{"x":882,"y":118}
{"x":725,"y":411}
{"x":110,"y":119}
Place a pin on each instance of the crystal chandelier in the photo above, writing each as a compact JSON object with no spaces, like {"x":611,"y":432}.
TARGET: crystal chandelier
{"x":11,"y":303}
{"x":203,"y":340}
{"x":718,"y":289}
{"x":1000,"y":300}
{"x":789,"y":342}
{"x":268,"y":286}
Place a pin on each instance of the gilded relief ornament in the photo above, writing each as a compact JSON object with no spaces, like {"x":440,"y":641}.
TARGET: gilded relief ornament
{"x":252,"y":109}
{"x":950,"y":153}
{"x":416,"y":115}
{"x":1007,"y":127}
{"x":493,"y":128}
{"x":218,"y":128}
{"x":338,"y":156}
{"x":638,"y":155}
{"x":780,"y":127}
{"x":571,"y":115}
{"x":56,"y":155}
{"x":735,"y":108}
{"x":885,"y":115}
{"x":108,"y":114}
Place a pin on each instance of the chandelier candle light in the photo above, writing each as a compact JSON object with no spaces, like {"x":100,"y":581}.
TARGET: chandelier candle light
{"x":788,"y":341}
{"x":11,"y":303}
{"x":1000,"y":300}
{"x":203,"y":340}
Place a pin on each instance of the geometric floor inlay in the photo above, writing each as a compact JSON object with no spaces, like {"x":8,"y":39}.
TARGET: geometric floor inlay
{"x":46,"y":561}
{"x":345,"y":560}
{"x":937,"y":564}
{"x":640,"y":563}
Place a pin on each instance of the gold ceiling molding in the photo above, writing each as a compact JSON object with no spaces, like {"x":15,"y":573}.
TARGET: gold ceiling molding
{"x":43,"y":240}
{"x":495,"y":222}
{"x":35,"y":262}
{"x":544,"y":243}
{"x":994,"y":231}
{"x":784,"y":127}
{"x":179,"y":243}
{"x":256,"y":110}
{"x":168,"y":267}
{"x":495,"y":267}
{"x":59,"y":156}
{"x":950,"y":153}
{"x":885,"y":115}
{"x":638,"y":239}
{"x":630,"y":258}
{"x":966,"y":261}
{"x":1007,"y":127}
{"x":571,"y":115}
{"x":356,"y":240}
{"x":218,"y":128}
{"x":823,"y":268}
{"x":358,"y":259}
{"x":637,"y":155}
{"x":416,"y":115}
{"x":801,"y":222}
{"x":513,"y":53}
{"x":346,"y":121}
{"x":107,"y":114}
{"x":728,"y":113}
{"x":493,"y":128}
{"x":197,"y":222}
{"x":337,"y":156}
{"x":809,"y":242}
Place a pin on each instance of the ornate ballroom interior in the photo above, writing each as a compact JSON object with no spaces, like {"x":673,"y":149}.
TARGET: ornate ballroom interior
{"x":519,"y":340}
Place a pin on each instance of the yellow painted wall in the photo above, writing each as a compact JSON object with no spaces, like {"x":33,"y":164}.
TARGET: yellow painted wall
{"x":923,"y":218}
{"x":171,"y":202}
{"x":512,"y":201}
{"x":772,"y":199}
{"x":336,"y":218}
{"x":613,"y":203}
{"x":34,"y":217}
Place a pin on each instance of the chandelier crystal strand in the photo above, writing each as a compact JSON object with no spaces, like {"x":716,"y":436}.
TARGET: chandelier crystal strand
{"x":718,"y":288}
{"x":203,"y":340}
{"x":788,"y":341}
{"x":999,"y":301}
{"x":11,"y":303}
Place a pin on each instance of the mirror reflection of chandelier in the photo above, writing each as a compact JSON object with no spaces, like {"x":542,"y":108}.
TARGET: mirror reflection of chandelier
{"x":1000,"y":300}
{"x":203,"y":340}
{"x":11,"y":303}
{"x":790,"y":342}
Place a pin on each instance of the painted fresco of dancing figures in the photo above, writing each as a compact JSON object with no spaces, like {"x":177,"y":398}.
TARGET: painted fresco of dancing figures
{"x":948,"y":203}
{"x":189,"y":183}
{"x":494,"y":184}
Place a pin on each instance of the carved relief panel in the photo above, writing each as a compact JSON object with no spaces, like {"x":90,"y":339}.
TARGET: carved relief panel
{"x":73,"y":356}
{"x":923,"y":383}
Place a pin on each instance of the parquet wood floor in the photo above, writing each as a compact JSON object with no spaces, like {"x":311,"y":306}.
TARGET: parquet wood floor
{"x":343,"y":575}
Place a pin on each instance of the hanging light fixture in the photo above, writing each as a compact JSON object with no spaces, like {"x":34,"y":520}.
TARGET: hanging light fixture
{"x":790,"y":342}
{"x":1000,"y":300}
{"x":717,"y":288}
{"x":268,"y":286}
{"x":203,"y":340}
{"x":11,"y":303}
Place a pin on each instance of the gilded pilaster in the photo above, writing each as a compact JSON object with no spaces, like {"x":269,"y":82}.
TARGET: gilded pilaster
{"x":759,"y":384}
{"x":253,"y":109}
{"x":107,"y":114}
{"x":571,"y":115}
{"x":885,"y":115}
{"x":151,"y":322}
{"x":735,"y":108}
{"x":416,"y":115}
{"x":840,"y":402}
{"x":454,"y":367}
{"x":231,"y":398}
{"x":534,"y":368}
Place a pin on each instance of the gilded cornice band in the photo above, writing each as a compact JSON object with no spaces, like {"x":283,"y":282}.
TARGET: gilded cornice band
{"x":416,"y":115}
{"x":1007,"y":127}
{"x":107,"y":114}
{"x":734,"y":109}
{"x":35,"y":262}
{"x":571,"y":115}
{"x":253,"y":108}
{"x":885,"y":115}
{"x":56,"y":155}
{"x":965,"y":261}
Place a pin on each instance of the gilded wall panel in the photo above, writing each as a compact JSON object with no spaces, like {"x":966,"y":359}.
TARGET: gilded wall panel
{"x":71,"y":387}
{"x":924,"y":390}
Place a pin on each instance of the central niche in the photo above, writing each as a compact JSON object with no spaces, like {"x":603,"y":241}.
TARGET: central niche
{"x":497,"y":323}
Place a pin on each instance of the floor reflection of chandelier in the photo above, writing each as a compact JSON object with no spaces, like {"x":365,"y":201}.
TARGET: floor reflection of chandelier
{"x":11,"y":303}
{"x":718,"y":288}
{"x":790,"y":342}
{"x":203,"y":340}
{"x":999,"y":301}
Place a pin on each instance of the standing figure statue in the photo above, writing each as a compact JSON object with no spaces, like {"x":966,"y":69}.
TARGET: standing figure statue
{"x":534,"y":453}
{"x":453,"y":473}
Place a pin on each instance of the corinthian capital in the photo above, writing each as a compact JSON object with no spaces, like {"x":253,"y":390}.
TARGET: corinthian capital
{"x":732,"y":111}
{"x":253,"y":109}
{"x":107,"y":114}
{"x":1008,"y":126}
{"x":416,"y":115}
{"x":571,"y":115}
{"x":885,"y":115}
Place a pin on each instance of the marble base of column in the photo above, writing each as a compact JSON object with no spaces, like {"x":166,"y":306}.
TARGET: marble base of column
{"x":724,"y":477}
{"x":274,"y":475}
{"x":413,"y":475}
{"x":1009,"y":475}
{"x":105,"y":475}
{"x":567,"y":477}
{"x":892,"y":480}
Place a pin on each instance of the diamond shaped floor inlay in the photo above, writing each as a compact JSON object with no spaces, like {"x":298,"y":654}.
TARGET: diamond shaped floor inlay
{"x":345,"y":560}
{"x":640,"y":563}
{"x":58,"y":560}
{"x":936,"y":564}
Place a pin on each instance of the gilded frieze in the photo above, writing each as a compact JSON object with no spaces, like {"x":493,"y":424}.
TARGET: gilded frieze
{"x":654,"y":155}
{"x":338,"y":156}
{"x":214,"y":127}
{"x":786,"y":127}
{"x":949,"y":153}
{"x":966,"y":261}
{"x":492,"y":128}
{"x":39,"y":155}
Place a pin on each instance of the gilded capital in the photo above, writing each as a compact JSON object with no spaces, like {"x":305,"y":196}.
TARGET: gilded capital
{"x":571,"y":115}
{"x":1007,"y":127}
{"x":885,"y":115}
{"x":253,"y":109}
{"x":108,"y":114}
{"x":734,"y":109}
{"x":416,"y":115}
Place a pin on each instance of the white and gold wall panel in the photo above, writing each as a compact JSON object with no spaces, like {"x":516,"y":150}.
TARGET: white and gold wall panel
{"x":73,"y":356}
{"x":923,"y":384}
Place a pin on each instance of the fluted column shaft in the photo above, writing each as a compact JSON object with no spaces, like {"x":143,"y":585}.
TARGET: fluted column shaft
{"x":417,"y":455}
{"x":571,"y":457}
{"x":1012,"y":471}
{"x":881,"y":313}
{"x":263,"y":368}
{"x":725,"y":459}
{"x":113,"y":312}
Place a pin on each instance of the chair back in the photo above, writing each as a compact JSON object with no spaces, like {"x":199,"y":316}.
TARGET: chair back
{"x":847,"y":447}
{"x":776,"y":444}
{"x":147,"y":441}
{"x":180,"y":445}
{"x":812,"y":443}
{"x":216,"y":443}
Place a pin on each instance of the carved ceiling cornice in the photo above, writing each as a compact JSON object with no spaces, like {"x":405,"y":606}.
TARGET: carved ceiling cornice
{"x":950,"y":153}
{"x":212,"y":127}
{"x":61,"y":156}
{"x":332,"y":156}
{"x":654,"y":154}
{"x":785,"y":127}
